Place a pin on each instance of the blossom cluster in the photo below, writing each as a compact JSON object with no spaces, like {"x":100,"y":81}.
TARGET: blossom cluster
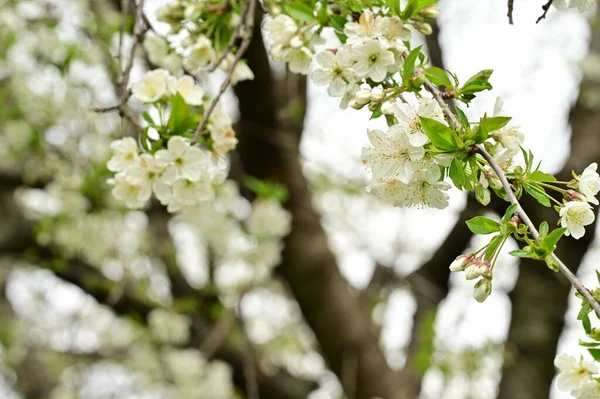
{"x":291,"y":43}
{"x":372,"y":51}
{"x":404,"y":170}
{"x":159,"y":84}
{"x":475,"y":267}
{"x":198,"y":51}
{"x":180,"y":176}
{"x":580,"y":377}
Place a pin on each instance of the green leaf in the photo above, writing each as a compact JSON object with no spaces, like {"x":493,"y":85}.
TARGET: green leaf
{"x":553,"y":237}
{"x":299,"y":10}
{"x":146,"y":116}
{"x":544,"y":229}
{"x":266,"y":189}
{"x":411,"y":8}
{"x":409,"y":65}
{"x":457,"y":173}
{"x":494,"y":244}
{"x":437,"y":76}
{"x":462,"y":118}
{"x":538,"y":175}
{"x":521,"y":253}
{"x":394,"y":6}
{"x":494,"y":123}
{"x":598,"y":275}
{"x":588,"y":344}
{"x":587,"y":324}
{"x":509,"y":213}
{"x":483,"y":225}
{"x":538,"y":193}
{"x":440,"y":135}
{"x":425,"y":3}
{"x":180,"y":120}
{"x":595,"y":354}
{"x":475,"y":84}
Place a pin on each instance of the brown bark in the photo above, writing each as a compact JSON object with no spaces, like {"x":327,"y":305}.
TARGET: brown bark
{"x":269,"y":150}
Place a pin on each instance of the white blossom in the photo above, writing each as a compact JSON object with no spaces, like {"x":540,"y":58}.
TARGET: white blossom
{"x":574,"y":373}
{"x":241,"y":71}
{"x":281,"y":29}
{"x":335,"y":71}
{"x":408,"y":116}
{"x":391,"y":156}
{"x":358,"y":32}
{"x":269,"y":218}
{"x":589,"y":183}
{"x":372,"y":60}
{"x":299,"y":60}
{"x":201,"y":53}
{"x":153,"y":86}
{"x":132,"y":195}
{"x":148,"y":172}
{"x":189,"y":90}
{"x":188,"y":162}
{"x":125,"y":154}
{"x":574,"y":215}
{"x":221,"y":131}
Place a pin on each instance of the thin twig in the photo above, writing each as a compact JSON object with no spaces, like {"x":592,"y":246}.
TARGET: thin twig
{"x":252,"y":391}
{"x":124,"y":8}
{"x":217,"y":334}
{"x":232,"y":39}
{"x":138,"y":35}
{"x":249,"y":27}
{"x":545,"y":7}
{"x":511,"y":6}
{"x":575,"y":282}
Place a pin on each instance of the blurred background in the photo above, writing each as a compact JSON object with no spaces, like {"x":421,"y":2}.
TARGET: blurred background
{"x":97,"y":301}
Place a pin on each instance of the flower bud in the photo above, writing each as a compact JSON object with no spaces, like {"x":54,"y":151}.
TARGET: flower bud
{"x":482,"y":195}
{"x":431,"y":12}
{"x":377,"y":93}
{"x":363,"y":96}
{"x":373,"y":106}
{"x":573,"y":195}
{"x":353,"y":104}
{"x":460,"y":262}
{"x":482,"y":289}
{"x":424,"y":28}
{"x":515,"y":222}
{"x":387,"y":107}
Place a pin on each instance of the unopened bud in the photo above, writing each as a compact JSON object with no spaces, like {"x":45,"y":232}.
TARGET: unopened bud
{"x":573,"y":195}
{"x":460,"y":262}
{"x":377,"y":93}
{"x":552,"y":263}
{"x":418,"y":80}
{"x":482,"y":289}
{"x":373,"y":106}
{"x":363,"y":96}
{"x":482,"y":195}
{"x":515,"y":222}
{"x":424,"y":28}
{"x":387,"y":107}
{"x":431,"y":12}
{"x":353,"y":104}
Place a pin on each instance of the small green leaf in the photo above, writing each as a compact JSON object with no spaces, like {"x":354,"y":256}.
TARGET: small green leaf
{"x":587,"y":324}
{"x":538,"y":175}
{"x":409,"y":65}
{"x":411,"y":8}
{"x":598,"y":275}
{"x":521,"y":253}
{"x":595,"y":354}
{"x":180,"y":120}
{"x":544,"y":229}
{"x":588,"y":344}
{"x":494,"y":244}
{"x":146,"y":116}
{"x":551,"y":263}
{"x":462,"y":118}
{"x":483,"y":225}
{"x":509,"y":213}
{"x":437,"y":76}
{"x":457,"y":173}
{"x":440,"y":135}
{"x":494,"y":123}
{"x":394,"y":6}
{"x":300,"y":11}
{"x":478,"y":82}
{"x":538,"y":193}
{"x":266,"y":189}
{"x":553,"y":237}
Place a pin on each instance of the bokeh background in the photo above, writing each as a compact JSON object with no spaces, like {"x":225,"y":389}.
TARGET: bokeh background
{"x":91,"y":306}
